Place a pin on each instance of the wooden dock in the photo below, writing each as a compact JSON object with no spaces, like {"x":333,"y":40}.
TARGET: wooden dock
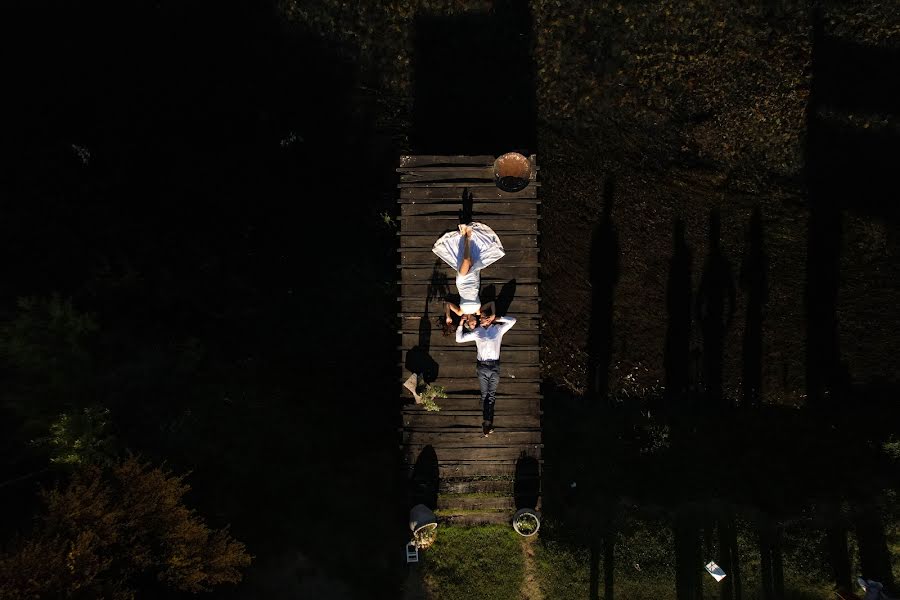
{"x":468,"y":477}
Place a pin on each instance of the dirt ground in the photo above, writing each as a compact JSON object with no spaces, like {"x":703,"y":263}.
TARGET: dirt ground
{"x":646,"y":204}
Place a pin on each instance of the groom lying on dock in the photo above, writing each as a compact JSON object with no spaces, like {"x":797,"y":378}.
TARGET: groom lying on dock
{"x":487,"y":339}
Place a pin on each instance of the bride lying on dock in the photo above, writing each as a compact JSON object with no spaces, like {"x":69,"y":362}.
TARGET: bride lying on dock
{"x":469,"y":250}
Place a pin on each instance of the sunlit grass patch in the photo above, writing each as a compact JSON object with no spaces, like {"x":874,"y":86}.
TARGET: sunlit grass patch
{"x":563,"y":569}
{"x":474,"y":562}
{"x":643,"y":557}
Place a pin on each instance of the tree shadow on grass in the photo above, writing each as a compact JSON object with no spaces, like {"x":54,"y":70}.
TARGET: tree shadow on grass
{"x":604,"y":276}
{"x":874,"y":556}
{"x":462,"y":107}
{"x":688,"y":553}
{"x":527,"y":484}
{"x":754,"y":272}
{"x":715,"y":311}
{"x":426,"y":479}
{"x":848,"y":169}
{"x":678,"y":331}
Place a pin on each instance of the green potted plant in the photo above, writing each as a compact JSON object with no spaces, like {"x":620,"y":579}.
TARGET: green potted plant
{"x":425,"y":393}
{"x":423,"y":524}
{"x":526,"y":522}
{"x":429,"y":394}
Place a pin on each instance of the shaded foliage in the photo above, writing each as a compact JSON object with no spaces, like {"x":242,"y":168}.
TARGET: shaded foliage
{"x":79,"y":438}
{"x":108,"y":534}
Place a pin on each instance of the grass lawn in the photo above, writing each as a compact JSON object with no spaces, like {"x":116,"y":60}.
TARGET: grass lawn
{"x":463,"y":558}
{"x":645,"y":563}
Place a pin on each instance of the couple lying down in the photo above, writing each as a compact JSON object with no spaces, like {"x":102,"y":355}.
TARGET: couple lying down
{"x":469,"y":250}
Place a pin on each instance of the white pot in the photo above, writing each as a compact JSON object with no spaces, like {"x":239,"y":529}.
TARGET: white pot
{"x":527,"y":511}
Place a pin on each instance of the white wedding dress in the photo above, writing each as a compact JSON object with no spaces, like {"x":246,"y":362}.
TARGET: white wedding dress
{"x":484,"y":248}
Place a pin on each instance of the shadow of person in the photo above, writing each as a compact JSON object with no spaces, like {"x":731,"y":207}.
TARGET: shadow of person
{"x":602,"y":548}
{"x":678,"y":330}
{"x":488,"y":293}
{"x":688,"y":553}
{"x":715,"y":310}
{"x":604,"y":272}
{"x":426,"y":479}
{"x":874,"y":555}
{"x":754,"y":283}
{"x":527,"y":483}
{"x":466,"y":212}
{"x":418,"y":358}
{"x":729,"y":557}
{"x":771,"y":558}
{"x":505,"y":297}
{"x":438,"y":286}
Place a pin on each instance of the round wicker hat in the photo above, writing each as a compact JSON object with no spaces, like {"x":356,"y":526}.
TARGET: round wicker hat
{"x":512,"y":172}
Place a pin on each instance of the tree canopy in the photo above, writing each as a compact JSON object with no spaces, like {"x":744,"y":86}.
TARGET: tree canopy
{"x":108,"y":533}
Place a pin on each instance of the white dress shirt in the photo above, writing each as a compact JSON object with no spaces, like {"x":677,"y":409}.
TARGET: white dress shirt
{"x":487,"y":340}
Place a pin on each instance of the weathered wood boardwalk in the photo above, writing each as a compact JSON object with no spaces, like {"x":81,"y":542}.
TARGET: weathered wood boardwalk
{"x":470,"y":478}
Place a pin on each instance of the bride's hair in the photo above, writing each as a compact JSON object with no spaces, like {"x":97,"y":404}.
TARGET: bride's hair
{"x":446,"y":328}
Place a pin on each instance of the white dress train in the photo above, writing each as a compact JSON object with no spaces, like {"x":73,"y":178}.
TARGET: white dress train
{"x":484,"y":248}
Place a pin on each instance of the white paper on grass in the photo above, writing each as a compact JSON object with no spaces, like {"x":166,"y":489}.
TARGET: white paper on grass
{"x":412,"y":553}
{"x":715,"y":570}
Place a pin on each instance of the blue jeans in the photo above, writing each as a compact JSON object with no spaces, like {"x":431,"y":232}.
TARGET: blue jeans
{"x":488,"y":378}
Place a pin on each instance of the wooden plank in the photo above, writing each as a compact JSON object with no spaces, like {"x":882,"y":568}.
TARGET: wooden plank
{"x":430,"y":160}
{"x":520,"y":334}
{"x":473,"y":169}
{"x":471,"y":437}
{"x":475,"y":395}
{"x":480,"y":205}
{"x":475,"y":453}
{"x":524,"y":326}
{"x":484,"y":486}
{"x":461,"y":369}
{"x":424,"y":160}
{"x":499,"y":228}
{"x":473,"y":184}
{"x":522,"y":418}
{"x":447,"y":174}
{"x":448,"y":470}
{"x":485,"y":171}
{"x":498,"y":269}
{"x":478,"y":486}
{"x":508,"y":402}
{"x":424,"y":256}
{"x":480,"y":213}
{"x":524,"y":288}
{"x":465,"y":354}
{"x":427,"y":240}
{"x":452,"y":173}
{"x":512,"y":339}
{"x":518,"y":305}
{"x":470,"y":418}
{"x":476,"y":502}
{"x":473,"y":519}
{"x":410,"y":322}
{"x":439,"y":224}
{"x":436,"y":306}
{"x":478,"y":195}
